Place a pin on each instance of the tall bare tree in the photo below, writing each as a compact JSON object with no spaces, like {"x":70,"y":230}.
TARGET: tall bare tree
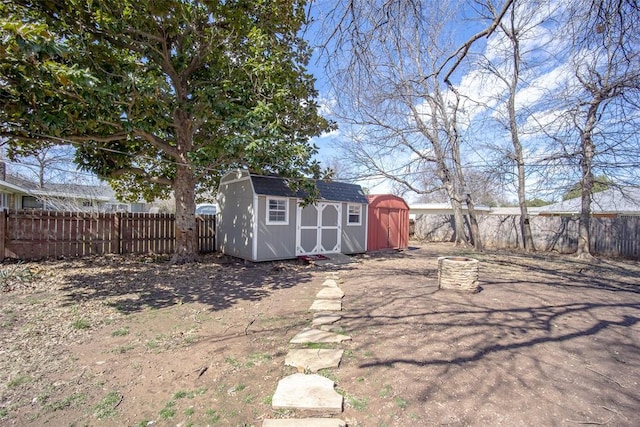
{"x":606,"y":63}
{"x":516,"y":39}
{"x":48,"y":164}
{"x":385,"y":65}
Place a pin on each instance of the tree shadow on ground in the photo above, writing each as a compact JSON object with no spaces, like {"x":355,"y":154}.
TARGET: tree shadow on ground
{"x":561,"y":333}
{"x":604,"y":275}
{"x":131,"y":285}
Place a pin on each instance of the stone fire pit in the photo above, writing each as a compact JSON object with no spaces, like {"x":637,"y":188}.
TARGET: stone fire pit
{"x":458,"y":273}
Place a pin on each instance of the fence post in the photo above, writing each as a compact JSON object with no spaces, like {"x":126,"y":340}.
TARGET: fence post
{"x":3,"y":232}
{"x":117,"y":235}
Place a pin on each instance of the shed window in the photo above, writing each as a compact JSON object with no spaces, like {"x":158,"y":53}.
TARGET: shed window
{"x":355,"y":215}
{"x":277,"y":212}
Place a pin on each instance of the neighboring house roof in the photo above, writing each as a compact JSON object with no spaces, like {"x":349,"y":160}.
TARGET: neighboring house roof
{"x":78,"y":191}
{"x":513,"y":210}
{"x":440,"y":208}
{"x":617,"y":200}
{"x":71,"y":190}
{"x":329,"y":190}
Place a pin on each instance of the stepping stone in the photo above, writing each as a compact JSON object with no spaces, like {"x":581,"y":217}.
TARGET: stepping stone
{"x":320,"y":319}
{"x":326,"y":305}
{"x":318,"y":336}
{"x":311,"y":392}
{"x":306,"y":422}
{"x":330,"y":283}
{"x":330,"y":293}
{"x":313,"y":359}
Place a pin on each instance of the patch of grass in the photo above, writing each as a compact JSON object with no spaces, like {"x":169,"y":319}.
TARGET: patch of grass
{"x":189,"y":411}
{"x":143,"y":423}
{"x":107,"y":406}
{"x":74,"y":399}
{"x":268,"y":400}
{"x":152,"y":345}
{"x":249,"y":398}
{"x":189,"y":394}
{"x":190,"y":339}
{"x":4,"y":412}
{"x":212,"y":416}
{"x":348,"y":354}
{"x":328,"y":373}
{"x":120,"y":332}
{"x":43,"y":396}
{"x":257,"y":359}
{"x":368,"y":353}
{"x":233,"y":361}
{"x":240,"y":387}
{"x":386,"y":391}
{"x":123,"y":349}
{"x":402,"y":403}
{"x":18,"y":381}
{"x":360,"y":379}
{"x":181,"y":394}
{"x":318,"y":345}
{"x":357,"y":404}
{"x":81,"y":324}
{"x":169,"y":410}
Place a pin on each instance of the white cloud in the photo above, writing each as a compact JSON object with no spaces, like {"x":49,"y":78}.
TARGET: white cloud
{"x":331,"y":134}
{"x":326,"y":105}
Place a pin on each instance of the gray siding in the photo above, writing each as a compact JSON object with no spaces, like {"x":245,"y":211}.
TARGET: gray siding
{"x":235,"y":219}
{"x":242,"y":228}
{"x":276,"y":241}
{"x":353,"y":236}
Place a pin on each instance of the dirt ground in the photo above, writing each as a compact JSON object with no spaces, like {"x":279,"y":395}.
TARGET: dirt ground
{"x":114,"y":341}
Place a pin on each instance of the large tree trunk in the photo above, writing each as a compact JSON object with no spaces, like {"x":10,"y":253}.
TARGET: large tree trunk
{"x":586,"y":161}
{"x":584,"y":250}
{"x":460,"y":237}
{"x":186,"y":234}
{"x":525,"y":224}
{"x":585,"y":221}
{"x":473,"y":223}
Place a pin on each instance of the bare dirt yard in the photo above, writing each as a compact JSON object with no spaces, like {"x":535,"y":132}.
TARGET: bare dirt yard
{"x":115,"y":341}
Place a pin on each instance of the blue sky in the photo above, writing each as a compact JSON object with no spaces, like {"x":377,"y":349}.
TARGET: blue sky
{"x":320,"y":8}
{"x":546,"y":74}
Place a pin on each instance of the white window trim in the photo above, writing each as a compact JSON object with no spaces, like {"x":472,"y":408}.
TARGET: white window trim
{"x":286,"y":212}
{"x":349,"y":205}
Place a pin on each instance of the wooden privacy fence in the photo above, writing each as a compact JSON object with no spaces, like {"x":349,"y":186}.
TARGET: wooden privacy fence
{"x":35,"y":234}
{"x":616,"y":236}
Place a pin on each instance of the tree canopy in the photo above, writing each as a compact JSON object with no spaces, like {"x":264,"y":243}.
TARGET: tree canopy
{"x":161,"y":95}
{"x":600,"y":183}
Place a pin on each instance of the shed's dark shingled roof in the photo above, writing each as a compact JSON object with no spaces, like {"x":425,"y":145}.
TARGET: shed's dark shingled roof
{"x":331,"y":191}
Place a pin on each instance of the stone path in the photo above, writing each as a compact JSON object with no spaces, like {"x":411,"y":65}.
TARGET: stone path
{"x":310,"y":391}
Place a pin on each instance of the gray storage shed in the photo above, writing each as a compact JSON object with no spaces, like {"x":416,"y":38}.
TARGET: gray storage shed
{"x":260,"y":218}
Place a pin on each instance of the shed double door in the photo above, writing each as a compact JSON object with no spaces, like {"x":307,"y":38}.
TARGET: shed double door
{"x":319,"y":229}
{"x":389,"y":233}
